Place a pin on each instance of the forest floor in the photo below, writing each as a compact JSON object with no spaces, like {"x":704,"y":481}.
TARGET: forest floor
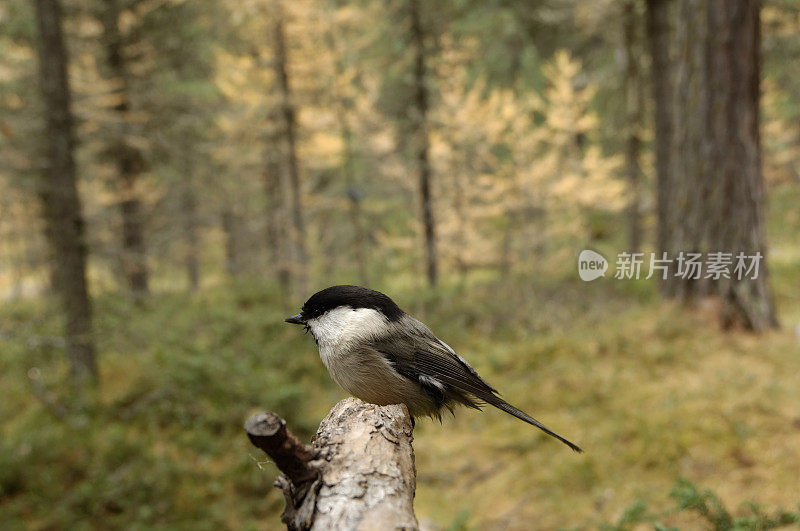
{"x":652,"y":391}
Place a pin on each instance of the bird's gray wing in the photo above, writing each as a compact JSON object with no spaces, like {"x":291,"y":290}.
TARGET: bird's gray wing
{"x":416,"y":353}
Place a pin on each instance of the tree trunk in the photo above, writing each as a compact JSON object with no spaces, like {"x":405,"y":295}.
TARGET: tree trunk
{"x":689,"y":129}
{"x":278,"y":244}
{"x":459,"y":204}
{"x":359,"y":473}
{"x":633,"y":107}
{"x":276,"y":237}
{"x":230,"y":227}
{"x":129,"y":160}
{"x":189,"y":207}
{"x":300,"y":264}
{"x":734,"y":55}
{"x":659,"y":43}
{"x":59,"y":194}
{"x":422,"y":141}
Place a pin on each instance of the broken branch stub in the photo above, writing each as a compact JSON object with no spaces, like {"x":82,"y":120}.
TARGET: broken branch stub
{"x":358,"y":474}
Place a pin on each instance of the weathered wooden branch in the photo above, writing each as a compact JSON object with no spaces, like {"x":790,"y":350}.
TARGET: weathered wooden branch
{"x":358,"y":473}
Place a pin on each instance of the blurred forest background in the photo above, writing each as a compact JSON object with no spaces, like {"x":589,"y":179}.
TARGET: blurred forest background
{"x":177,"y":176}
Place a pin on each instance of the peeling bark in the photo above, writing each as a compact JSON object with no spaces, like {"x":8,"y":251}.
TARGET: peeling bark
{"x":358,"y":474}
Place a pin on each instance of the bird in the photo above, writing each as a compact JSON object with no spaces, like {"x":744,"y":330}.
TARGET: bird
{"x":382,"y":355}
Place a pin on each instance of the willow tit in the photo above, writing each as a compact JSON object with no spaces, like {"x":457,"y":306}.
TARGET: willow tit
{"x":382,"y":355}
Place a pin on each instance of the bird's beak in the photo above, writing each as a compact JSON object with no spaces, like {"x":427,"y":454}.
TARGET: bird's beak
{"x":296,"y":319}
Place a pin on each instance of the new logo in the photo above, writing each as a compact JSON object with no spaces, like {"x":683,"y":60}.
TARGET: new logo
{"x":591,"y":265}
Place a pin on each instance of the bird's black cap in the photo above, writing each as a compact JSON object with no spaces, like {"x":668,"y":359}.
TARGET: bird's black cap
{"x":346,"y":295}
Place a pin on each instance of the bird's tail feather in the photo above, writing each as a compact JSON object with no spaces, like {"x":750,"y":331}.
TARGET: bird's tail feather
{"x":501,"y":404}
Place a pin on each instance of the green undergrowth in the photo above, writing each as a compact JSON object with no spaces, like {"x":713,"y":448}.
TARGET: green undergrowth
{"x":704,"y":509}
{"x":652,"y":391}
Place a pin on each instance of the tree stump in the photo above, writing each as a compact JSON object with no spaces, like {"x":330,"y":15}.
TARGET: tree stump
{"x":358,"y":474}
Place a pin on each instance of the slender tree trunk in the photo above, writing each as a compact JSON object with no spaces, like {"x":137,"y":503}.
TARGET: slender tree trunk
{"x":460,"y":211}
{"x":189,"y":208}
{"x":14,"y":244}
{"x":735,"y":156}
{"x":422,"y":140}
{"x":633,"y":107}
{"x":59,"y":194}
{"x":232,"y":245}
{"x":129,"y":160}
{"x":272,"y":191}
{"x":290,"y":134}
{"x":659,"y":45}
{"x":276,"y":233}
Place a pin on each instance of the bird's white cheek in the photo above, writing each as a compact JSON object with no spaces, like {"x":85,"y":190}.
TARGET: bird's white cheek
{"x":336,"y":331}
{"x":344,"y":324}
